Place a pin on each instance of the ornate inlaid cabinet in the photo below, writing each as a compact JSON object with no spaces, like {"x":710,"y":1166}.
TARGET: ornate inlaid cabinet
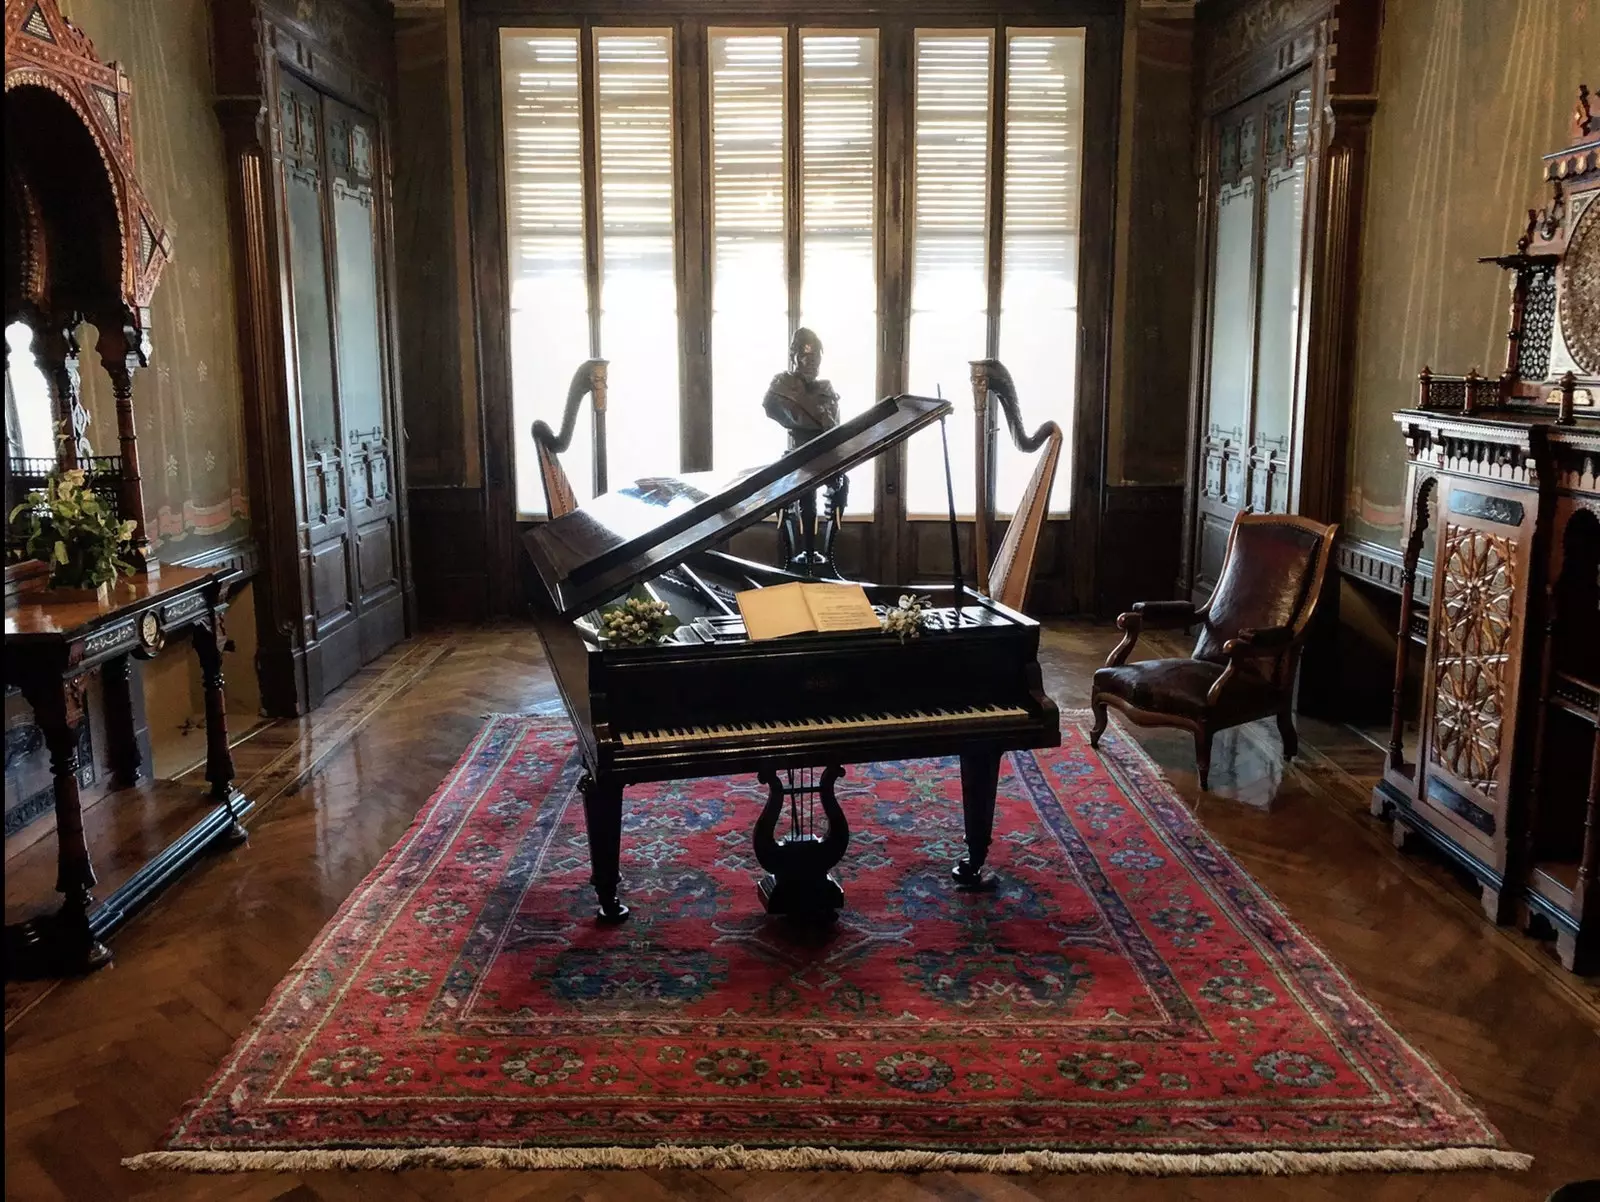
{"x":1504,"y":497}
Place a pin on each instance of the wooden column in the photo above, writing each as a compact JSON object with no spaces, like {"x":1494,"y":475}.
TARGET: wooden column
{"x":276,"y":492}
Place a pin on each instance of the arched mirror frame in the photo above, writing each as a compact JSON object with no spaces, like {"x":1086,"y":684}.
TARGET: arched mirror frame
{"x":71,"y":257}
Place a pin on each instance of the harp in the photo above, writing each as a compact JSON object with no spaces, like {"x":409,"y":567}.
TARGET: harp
{"x":588,"y":380}
{"x":1007,"y":577}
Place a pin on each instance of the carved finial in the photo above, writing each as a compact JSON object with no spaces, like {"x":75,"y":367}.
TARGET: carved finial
{"x":1582,"y":118}
{"x":1564,"y":415}
{"x":1469,"y":394}
{"x":1424,"y":383}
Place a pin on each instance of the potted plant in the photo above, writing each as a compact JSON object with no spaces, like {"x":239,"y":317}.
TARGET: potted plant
{"x":76,"y":532}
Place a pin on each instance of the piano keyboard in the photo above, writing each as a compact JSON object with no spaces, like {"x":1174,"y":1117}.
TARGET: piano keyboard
{"x":896,"y":720}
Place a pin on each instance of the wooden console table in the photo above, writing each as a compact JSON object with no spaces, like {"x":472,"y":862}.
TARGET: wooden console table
{"x":50,"y":647}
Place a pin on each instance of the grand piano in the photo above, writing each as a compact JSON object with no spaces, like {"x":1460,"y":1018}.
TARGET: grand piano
{"x":795,"y":710}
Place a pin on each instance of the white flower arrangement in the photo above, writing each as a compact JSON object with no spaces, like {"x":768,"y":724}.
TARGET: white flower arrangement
{"x":637,"y":622}
{"x":905,"y":619}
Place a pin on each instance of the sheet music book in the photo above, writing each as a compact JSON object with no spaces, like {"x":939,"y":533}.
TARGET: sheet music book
{"x":771,"y":613}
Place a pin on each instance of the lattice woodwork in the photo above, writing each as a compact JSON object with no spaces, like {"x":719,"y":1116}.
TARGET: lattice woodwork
{"x":1476,"y":577}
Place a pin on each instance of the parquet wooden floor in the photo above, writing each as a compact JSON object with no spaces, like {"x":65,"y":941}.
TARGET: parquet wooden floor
{"x":96,"y":1070}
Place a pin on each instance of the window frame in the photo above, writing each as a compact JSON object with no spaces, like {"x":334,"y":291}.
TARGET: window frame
{"x":891,"y":548}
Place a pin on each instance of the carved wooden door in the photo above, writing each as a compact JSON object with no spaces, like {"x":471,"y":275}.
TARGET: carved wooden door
{"x":1252,"y":352}
{"x":1482,"y":559}
{"x":350,"y":545}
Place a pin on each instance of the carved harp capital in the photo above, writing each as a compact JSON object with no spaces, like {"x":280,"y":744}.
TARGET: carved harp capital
{"x":980,"y":384}
{"x":597,"y":382}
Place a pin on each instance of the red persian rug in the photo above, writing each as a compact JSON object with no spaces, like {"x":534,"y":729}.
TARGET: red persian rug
{"x":1126,"y":1000}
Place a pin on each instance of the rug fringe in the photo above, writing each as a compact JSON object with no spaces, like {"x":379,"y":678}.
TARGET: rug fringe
{"x":737,"y":1157}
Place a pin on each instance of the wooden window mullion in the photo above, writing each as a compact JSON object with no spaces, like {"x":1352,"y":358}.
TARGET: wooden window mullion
{"x":994,"y":239}
{"x":589,"y":108}
{"x":793,"y":203}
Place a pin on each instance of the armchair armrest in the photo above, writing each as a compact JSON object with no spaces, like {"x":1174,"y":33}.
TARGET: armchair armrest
{"x":1263,"y":641}
{"x":1164,"y":615}
{"x":1158,"y":615}
{"x":1267,"y":640}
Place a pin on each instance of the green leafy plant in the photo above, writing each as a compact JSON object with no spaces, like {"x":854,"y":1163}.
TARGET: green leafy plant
{"x":638,"y":622}
{"x":75,"y":531}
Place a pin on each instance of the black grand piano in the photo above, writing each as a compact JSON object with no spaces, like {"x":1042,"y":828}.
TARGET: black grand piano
{"x":794,"y":710}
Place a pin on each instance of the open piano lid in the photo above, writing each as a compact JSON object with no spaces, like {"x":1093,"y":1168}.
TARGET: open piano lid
{"x":635,"y":533}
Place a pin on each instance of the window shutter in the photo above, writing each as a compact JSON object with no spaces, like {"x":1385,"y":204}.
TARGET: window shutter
{"x":544,"y":232}
{"x":1039,"y":265}
{"x":838,"y":177}
{"x":949,"y":282}
{"x":750,"y":291}
{"x":638,"y":265}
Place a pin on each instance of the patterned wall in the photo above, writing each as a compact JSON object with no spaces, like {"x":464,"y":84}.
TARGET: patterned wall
{"x":1471,"y":93}
{"x":189,"y":402}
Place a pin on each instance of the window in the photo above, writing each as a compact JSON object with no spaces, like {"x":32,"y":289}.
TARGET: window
{"x":758,"y":222}
{"x":749,"y":288}
{"x":544,"y":219}
{"x":791,"y":232}
{"x":1031,"y":324}
{"x":838,"y":227}
{"x":555,"y":321}
{"x":638,"y":280}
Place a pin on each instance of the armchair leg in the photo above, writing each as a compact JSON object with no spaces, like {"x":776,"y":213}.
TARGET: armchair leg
{"x":1286,"y":731}
{"x":1202,"y":755}
{"x":1099,"y":727}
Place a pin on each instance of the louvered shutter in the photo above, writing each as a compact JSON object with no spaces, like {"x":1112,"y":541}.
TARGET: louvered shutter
{"x":838,"y":176}
{"x":750,"y":291}
{"x":949,"y":282}
{"x":1039,"y":264}
{"x":549,"y":325}
{"x":638,"y":277}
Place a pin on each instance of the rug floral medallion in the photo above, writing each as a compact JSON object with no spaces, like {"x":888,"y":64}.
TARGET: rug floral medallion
{"x":1126,"y":998}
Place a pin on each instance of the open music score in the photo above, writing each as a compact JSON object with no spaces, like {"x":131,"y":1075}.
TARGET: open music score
{"x":785,"y":609}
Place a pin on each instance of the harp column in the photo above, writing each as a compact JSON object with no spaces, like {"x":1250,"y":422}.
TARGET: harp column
{"x":983,"y":474}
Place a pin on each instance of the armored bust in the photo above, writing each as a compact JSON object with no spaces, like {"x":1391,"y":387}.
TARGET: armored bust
{"x":798,"y":401}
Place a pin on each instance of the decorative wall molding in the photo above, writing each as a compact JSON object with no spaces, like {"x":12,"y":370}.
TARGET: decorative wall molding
{"x":1375,"y":564}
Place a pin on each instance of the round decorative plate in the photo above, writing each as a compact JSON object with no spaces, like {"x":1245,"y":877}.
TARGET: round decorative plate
{"x":1580,"y":291}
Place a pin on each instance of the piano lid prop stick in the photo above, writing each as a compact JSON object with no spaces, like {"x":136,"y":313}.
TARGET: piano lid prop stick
{"x":950,"y":496}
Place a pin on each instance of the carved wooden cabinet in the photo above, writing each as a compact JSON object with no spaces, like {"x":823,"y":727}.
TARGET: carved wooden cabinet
{"x":304,"y":99}
{"x":1504,"y":497}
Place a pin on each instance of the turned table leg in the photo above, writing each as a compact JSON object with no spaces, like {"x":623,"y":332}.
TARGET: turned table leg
{"x":67,"y":940}
{"x":208,"y":649}
{"x":122,"y":735}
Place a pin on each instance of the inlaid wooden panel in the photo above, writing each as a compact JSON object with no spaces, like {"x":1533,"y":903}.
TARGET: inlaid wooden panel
{"x":330,"y":573}
{"x":1472,"y":652}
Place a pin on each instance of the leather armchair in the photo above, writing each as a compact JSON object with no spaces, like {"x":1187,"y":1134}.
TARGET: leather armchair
{"x":1251,"y":631}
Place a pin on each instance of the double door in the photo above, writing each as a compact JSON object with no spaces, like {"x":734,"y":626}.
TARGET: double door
{"x":350,"y":519}
{"x":1252,"y":343}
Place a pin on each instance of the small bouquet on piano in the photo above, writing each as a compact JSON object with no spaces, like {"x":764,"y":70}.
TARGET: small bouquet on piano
{"x":640,"y":621}
{"x":905,"y":619}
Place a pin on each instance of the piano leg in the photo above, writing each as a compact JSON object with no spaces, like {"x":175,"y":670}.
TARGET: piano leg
{"x":980,"y":777}
{"x":602,"y":817}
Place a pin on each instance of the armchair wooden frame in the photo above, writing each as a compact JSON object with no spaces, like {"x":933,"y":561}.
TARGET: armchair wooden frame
{"x":1269,"y":654}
